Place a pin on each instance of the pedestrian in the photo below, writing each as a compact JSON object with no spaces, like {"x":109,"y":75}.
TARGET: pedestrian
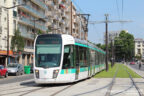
{"x":139,"y":64}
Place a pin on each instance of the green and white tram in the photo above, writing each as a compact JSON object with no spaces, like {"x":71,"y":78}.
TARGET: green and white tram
{"x":61,"y":59}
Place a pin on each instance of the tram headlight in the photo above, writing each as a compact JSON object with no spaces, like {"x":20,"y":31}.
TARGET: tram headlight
{"x":55,"y":73}
{"x":37,"y":73}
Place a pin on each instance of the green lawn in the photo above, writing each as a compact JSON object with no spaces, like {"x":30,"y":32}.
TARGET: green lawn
{"x":121,"y":72}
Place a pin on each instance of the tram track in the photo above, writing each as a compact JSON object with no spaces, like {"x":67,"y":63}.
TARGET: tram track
{"x":54,"y":94}
{"x":101,"y":88}
{"x":112,"y":83}
{"x":133,"y":84}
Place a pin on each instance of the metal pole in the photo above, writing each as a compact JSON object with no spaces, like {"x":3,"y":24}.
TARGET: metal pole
{"x":34,"y":30}
{"x":106,"y":22}
{"x":71,"y":19}
{"x":113,"y":53}
{"x":7,"y":37}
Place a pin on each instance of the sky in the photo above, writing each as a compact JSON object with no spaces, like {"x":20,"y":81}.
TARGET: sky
{"x":132,"y":10}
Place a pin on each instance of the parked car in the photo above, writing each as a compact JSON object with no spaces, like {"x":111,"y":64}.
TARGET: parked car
{"x":132,"y":63}
{"x":15,"y":68}
{"x":31,"y":67}
{"x":3,"y":71}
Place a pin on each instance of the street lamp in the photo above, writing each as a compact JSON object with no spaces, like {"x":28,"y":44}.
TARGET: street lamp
{"x":7,"y":9}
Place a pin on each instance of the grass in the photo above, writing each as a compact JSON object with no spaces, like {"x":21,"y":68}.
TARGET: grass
{"x":120,"y":74}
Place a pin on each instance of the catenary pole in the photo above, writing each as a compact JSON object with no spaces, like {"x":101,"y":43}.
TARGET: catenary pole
{"x":106,"y":40}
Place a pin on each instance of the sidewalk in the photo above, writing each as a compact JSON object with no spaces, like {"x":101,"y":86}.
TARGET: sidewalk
{"x":139,"y":72}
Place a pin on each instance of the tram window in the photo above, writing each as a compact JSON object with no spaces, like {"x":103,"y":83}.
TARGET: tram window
{"x":92,"y":57}
{"x":76,"y":57}
{"x":81,"y":54}
{"x":88,"y":56}
{"x":85,"y":57}
{"x":68,"y":57}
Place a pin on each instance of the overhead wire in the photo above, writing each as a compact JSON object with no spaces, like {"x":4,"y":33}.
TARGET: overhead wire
{"x":118,"y":12}
{"x":122,"y":8}
{"x":122,"y":14}
{"x":81,"y":11}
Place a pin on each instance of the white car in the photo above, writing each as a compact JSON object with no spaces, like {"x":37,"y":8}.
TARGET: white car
{"x":15,"y":68}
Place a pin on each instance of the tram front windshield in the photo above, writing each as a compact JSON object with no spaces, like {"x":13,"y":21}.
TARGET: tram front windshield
{"x":48,"y":53}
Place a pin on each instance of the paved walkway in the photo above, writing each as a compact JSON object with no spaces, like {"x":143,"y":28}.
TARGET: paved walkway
{"x":140,"y":72}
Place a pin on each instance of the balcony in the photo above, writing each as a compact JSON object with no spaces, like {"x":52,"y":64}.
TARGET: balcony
{"x":49,"y":13}
{"x":26,"y":34}
{"x":50,"y":3}
{"x":48,"y":23}
{"x":40,"y":3}
{"x":31,"y":23}
{"x":29,"y":49}
{"x":31,"y":10}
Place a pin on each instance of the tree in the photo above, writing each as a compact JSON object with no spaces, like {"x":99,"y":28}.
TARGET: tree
{"x":101,"y":46}
{"x":17,"y":42}
{"x":39,"y":32}
{"x":124,"y":46}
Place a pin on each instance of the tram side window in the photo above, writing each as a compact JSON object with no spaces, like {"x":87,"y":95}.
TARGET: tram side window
{"x":96,"y":57}
{"x":68,"y":57}
{"x":76,"y":56}
{"x":82,"y":57}
{"x":92,"y":57}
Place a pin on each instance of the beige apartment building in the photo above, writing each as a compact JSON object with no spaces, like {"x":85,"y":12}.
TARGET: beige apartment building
{"x":26,"y":19}
{"x":4,"y":14}
{"x":37,"y":16}
{"x":64,"y":19}
{"x":139,"y":47}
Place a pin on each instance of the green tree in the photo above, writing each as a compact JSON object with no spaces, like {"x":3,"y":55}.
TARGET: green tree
{"x":102,"y":46}
{"x":39,"y":32}
{"x":17,"y":42}
{"x":124,"y":46}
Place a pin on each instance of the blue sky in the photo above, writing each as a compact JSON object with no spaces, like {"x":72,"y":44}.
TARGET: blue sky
{"x":132,"y":10}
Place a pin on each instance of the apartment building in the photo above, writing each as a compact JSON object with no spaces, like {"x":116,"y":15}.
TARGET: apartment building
{"x":79,"y":24}
{"x":31,"y":21}
{"x":59,"y":16}
{"x":4,"y":14}
{"x":139,"y":47}
{"x":64,"y":19}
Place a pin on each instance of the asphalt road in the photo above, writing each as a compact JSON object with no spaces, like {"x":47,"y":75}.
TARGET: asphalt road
{"x":13,"y":79}
{"x":136,"y":66}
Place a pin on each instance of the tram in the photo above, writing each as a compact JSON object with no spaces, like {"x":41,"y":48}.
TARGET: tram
{"x":61,"y":58}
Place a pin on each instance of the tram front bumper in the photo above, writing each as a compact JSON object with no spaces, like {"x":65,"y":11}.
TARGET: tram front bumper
{"x":50,"y":81}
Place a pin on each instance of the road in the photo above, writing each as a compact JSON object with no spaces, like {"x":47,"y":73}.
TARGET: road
{"x":136,"y":66}
{"x":13,"y":79}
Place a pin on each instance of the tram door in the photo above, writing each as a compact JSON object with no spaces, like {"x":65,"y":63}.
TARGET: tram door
{"x":76,"y":56}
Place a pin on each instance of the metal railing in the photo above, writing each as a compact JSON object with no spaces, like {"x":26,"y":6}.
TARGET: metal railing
{"x":31,"y":23}
{"x":26,"y":34}
{"x":32,"y":10}
{"x":40,"y":3}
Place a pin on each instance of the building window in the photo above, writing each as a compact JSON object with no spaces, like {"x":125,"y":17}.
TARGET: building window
{"x":139,"y":51}
{"x":138,"y":46}
{"x":5,"y":18}
{"x":4,"y":1}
